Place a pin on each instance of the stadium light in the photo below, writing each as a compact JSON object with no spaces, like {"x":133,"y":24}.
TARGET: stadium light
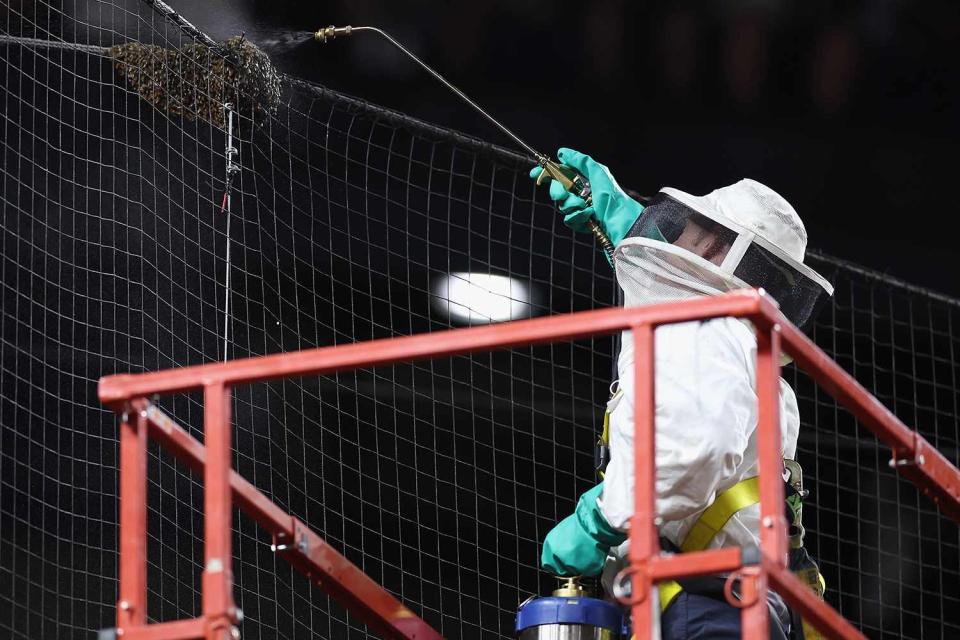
{"x":481,"y":298}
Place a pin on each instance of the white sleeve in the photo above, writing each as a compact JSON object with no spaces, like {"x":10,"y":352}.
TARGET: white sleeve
{"x":705,"y":414}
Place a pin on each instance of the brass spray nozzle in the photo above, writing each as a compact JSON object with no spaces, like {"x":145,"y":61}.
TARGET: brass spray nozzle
{"x":571,"y":588}
{"x":331,"y":32}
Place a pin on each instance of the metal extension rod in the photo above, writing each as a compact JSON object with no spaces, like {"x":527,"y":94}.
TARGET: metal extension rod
{"x":570,"y":179}
{"x":329,"y":33}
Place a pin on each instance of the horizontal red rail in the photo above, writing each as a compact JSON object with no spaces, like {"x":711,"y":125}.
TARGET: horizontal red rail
{"x":175,"y":630}
{"x":439,"y":344}
{"x":821,"y":615}
{"x":913,"y":456}
{"x":695,"y":563}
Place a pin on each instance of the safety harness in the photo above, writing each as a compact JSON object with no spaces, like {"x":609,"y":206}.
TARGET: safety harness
{"x":742,"y":495}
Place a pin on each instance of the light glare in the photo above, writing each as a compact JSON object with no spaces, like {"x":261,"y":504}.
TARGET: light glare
{"x":481,"y":298}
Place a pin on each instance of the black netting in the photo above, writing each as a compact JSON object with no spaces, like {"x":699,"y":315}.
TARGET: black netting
{"x":440,"y":478}
{"x":892,"y":561}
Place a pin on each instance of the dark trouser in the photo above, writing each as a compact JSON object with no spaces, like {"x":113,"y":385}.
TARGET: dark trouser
{"x":700,"y":617}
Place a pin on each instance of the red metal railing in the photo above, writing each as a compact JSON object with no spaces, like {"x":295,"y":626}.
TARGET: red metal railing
{"x":912,"y":456}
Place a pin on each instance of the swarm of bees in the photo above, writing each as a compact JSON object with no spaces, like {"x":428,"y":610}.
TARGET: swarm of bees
{"x":196,"y":81}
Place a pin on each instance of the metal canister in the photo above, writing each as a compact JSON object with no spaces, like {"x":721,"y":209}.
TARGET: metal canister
{"x":569,"y":614}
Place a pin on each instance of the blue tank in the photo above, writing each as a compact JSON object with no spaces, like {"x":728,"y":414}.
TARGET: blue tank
{"x":568,"y":618}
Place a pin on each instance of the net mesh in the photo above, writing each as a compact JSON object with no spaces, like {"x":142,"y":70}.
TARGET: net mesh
{"x":439,"y":478}
{"x":891,"y":560}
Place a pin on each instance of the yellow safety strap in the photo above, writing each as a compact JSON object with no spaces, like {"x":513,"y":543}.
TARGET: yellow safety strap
{"x":814,"y":580}
{"x":740,"y":496}
{"x":668,"y":591}
{"x":605,"y":436}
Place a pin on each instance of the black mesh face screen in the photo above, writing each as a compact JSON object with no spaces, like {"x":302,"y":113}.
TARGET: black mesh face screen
{"x":799,"y":297}
{"x":667,"y":220}
{"x":440,"y":478}
{"x":663,"y":219}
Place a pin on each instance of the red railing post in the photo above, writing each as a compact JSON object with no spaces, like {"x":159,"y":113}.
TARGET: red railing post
{"x":644,"y":543}
{"x":814,"y":610}
{"x":754,"y":615}
{"x":132,"y":590}
{"x":773,"y":546}
{"x":773,"y":524}
{"x":217,"y":599}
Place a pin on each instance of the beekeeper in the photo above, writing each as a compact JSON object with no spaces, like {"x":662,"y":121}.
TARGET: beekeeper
{"x":676,"y":247}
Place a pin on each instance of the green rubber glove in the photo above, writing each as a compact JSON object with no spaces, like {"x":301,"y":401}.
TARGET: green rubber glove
{"x":613,"y":209}
{"x":579,"y":545}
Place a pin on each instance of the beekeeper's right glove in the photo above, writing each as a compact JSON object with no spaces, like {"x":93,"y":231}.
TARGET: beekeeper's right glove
{"x":612,"y":208}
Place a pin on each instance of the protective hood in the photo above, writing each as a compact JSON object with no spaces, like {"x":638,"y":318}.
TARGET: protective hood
{"x":743,"y":235}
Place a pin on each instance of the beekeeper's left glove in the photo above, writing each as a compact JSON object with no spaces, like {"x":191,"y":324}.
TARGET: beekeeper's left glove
{"x":579,"y":545}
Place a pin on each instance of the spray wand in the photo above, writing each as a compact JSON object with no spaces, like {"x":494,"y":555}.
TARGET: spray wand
{"x":570,"y":179}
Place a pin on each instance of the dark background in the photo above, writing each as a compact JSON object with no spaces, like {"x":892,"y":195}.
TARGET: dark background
{"x":849,"y":109}
{"x":441,"y":479}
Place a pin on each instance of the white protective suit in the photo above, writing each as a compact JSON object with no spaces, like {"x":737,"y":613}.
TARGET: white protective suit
{"x":704,"y":384}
